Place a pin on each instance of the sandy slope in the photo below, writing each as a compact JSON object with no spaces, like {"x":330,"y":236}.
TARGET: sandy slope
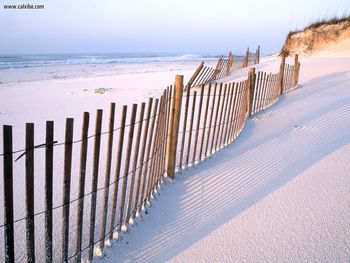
{"x":280,"y":193}
{"x":329,"y":39}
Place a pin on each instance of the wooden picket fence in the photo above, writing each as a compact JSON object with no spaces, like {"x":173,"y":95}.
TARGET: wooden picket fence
{"x":224,"y":67}
{"x":180,"y":129}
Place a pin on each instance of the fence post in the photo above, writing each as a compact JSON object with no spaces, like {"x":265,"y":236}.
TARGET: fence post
{"x":246,"y":59}
{"x":296,"y":70}
{"x":174,"y":126}
{"x":257,"y":55}
{"x":229,"y":64}
{"x":9,"y":246}
{"x":281,"y":74}
{"x":251,"y":85}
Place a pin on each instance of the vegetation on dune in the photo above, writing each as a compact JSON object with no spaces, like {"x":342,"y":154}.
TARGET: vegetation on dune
{"x":320,"y":22}
{"x":335,"y":20}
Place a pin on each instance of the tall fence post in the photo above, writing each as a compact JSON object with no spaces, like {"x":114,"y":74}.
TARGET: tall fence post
{"x":296,"y":70}
{"x":246,"y":58}
{"x":8,"y":194}
{"x":229,"y":64}
{"x":257,"y":55}
{"x":174,"y":126}
{"x":281,"y":74}
{"x":251,"y":85}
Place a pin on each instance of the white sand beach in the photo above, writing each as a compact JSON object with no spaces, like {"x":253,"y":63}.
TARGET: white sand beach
{"x":220,"y":222}
{"x":279,"y":193}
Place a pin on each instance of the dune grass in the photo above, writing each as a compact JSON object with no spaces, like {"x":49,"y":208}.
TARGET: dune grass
{"x":334,"y":20}
{"x":322,"y":21}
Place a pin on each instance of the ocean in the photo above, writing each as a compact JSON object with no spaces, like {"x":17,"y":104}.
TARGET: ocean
{"x":27,"y":61}
{"x":22,"y":68}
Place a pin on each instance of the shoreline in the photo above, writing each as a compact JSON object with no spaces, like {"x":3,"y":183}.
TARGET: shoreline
{"x":26,"y":74}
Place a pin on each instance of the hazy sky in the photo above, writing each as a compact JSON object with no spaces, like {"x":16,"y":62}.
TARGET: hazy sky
{"x":157,"y":25}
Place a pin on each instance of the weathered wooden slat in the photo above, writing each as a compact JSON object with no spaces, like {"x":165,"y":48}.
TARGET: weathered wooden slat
{"x":155,"y":151}
{"x":48,"y":189}
{"x":198,"y":125}
{"x":236,"y":109}
{"x":184,"y":126}
{"x":154,"y":155}
{"x":9,"y":245}
{"x":95,"y":170}
{"x":81,"y":189}
{"x":233,"y":112}
{"x":165,"y":132}
{"x":159,"y":148}
{"x":134,"y":164}
{"x":210,"y":121}
{"x":256,"y":91}
{"x":205,"y":123}
{"x":215,"y":124}
{"x":107,"y":174}
{"x":191,"y":129}
{"x":224,"y":120}
{"x":29,"y":193}
{"x":219,"y":124}
{"x":229,"y":115}
{"x":158,"y":172}
{"x":142,"y":158}
{"x":261,"y":86}
{"x":126,"y":167}
{"x":147,"y":157}
{"x":68,"y":147}
{"x":117,"y":170}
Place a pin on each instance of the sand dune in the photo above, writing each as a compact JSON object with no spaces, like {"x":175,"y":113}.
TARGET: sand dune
{"x":277,"y":194}
{"x":325,"y":39}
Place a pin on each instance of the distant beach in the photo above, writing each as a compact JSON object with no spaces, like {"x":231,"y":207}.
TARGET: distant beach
{"x":19,"y":68}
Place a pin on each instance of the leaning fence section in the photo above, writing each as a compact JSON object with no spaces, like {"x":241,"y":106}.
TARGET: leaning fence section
{"x":109,"y":177}
{"x":224,"y":67}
